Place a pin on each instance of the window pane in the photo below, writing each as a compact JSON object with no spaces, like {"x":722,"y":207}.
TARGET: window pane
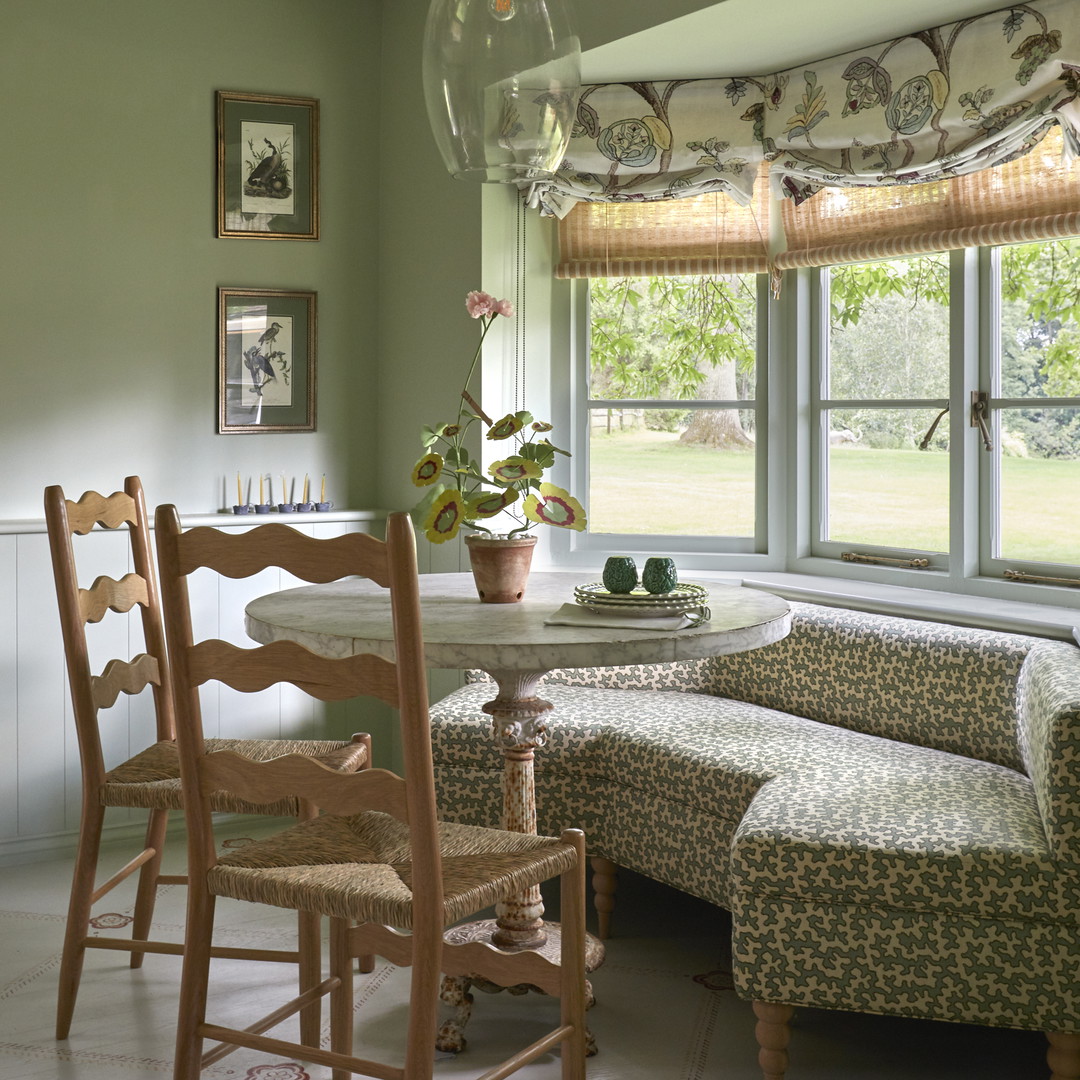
{"x":882,"y":490}
{"x":1040,"y":485}
{"x":684,"y":338}
{"x":1040,"y":335}
{"x":889,"y":329}
{"x":645,"y":477}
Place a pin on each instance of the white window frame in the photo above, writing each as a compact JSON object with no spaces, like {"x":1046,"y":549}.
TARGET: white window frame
{"x":990,"y":380}
{"x":694,"y":552}
{"x":787,"y":517}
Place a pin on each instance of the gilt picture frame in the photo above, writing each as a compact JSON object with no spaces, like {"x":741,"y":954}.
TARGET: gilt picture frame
{"x":267,"y":167}
{"x":266,"y":361}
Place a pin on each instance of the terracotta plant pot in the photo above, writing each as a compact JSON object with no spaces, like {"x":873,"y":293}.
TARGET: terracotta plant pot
{"x":500,"y":566}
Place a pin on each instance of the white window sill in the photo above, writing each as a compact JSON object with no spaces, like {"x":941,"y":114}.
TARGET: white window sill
{"x":1044,"y":620}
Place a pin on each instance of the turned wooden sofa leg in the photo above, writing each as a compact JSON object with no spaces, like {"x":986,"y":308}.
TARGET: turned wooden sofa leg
{"x":773,"y":1036}
{"x":1063,"y":1056}
{"x":605,"y":880}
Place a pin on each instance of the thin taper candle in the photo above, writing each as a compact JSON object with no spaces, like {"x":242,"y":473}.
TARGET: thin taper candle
{"x":322,"y":496}
{"x":305,"y":498}
{"x":239,"y":493}
{"x":284,"y":490}
{"x":261,"y":499}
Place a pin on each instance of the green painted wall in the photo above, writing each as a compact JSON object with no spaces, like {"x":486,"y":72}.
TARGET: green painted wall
{"x":108,"y":260}
{"x":109,"y":264}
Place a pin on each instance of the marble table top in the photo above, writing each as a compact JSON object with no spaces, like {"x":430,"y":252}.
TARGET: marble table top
{"x":353,"y":616}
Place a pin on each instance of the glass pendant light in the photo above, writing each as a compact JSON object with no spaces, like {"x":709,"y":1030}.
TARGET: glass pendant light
{"x":501,"y":81}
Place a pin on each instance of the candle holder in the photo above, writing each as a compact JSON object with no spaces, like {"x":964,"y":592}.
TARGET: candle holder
{"x":263,"y":508}
{"x":305,"y":507}
{"x":322,"y":507}
{"x":286,"y":508}
{"x":242,"y":509}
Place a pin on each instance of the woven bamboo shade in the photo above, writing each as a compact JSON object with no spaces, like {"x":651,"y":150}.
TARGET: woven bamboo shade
{"x":700,"y":234}
{"x":1035,"y":197}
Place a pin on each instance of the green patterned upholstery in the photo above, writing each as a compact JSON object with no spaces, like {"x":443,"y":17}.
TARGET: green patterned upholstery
{"x":890,"y":808}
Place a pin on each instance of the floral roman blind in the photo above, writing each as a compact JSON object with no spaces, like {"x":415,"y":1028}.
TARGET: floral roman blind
{"x":932,"y":105}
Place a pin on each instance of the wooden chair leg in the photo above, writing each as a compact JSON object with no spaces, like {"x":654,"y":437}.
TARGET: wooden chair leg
{"x":78,"y":917}
{"x":194,"y":983}
{"x":773,"y":1036}
{"x":365,"y":964}
{"x":572,"y":960}
{"x":309,"y":944}
{"x":341,"y":998}
{"x":146,"y":894}
{"x":605,"y":881}
{"x":1063,"y":1056}
{"x":423,"y":1004}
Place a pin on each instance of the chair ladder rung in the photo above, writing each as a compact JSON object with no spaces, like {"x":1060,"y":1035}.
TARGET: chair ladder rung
{"x":530,"y":1053}
{"x":290,"y":1008}
{"x":122,"y":874}
{"x":318,"y":1056}
{"x":176,"y":948}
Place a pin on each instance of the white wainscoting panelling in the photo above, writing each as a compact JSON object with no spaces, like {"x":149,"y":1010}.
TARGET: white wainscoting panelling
{"x":39,"y":765}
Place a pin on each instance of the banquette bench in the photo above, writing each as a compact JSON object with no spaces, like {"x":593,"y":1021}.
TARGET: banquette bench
{"x":889,"y":808}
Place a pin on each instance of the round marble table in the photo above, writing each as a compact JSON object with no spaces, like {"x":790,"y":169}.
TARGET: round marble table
{"x":512,"y":643}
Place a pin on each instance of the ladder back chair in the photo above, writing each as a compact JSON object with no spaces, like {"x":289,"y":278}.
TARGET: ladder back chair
{"x":389,"y":876}
{"x":150,"y":780}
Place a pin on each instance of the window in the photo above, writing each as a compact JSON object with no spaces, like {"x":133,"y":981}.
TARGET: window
{"x":900,"y":372}
{"x":1034,"y":405}
{"x":892,"y":360}
{"x":884,"y":380}
{"x":673,"y":415}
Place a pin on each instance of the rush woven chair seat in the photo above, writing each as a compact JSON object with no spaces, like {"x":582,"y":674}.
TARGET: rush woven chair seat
{"x":360,"y":868}
{"x":389,"y":876}
{"x":150,"y":780}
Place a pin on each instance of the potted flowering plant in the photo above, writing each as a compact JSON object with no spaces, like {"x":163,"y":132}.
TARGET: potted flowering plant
{"x":463,"y":494}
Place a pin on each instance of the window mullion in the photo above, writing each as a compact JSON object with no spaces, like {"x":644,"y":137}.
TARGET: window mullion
{"x":983,"y":374}
{"x":817,"y":443}
{"x":966,"y":331}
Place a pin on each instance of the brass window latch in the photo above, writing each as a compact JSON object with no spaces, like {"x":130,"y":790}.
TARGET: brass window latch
{"x":1041,"y":579}
{"x":925,"y":443}
{"x":881,"y":560}
{"x":980,"y":410}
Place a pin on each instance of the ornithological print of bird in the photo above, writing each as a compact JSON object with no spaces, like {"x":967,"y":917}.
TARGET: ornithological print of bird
{"x":260,"y":368}
{"x":260,"y":176}
{"x":270,"y":333}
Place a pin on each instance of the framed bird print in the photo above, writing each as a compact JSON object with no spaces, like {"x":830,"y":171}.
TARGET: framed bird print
{"x":266,"y":361}
{"x":267,"y":167}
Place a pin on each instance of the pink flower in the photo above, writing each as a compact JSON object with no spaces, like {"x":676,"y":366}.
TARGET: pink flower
{"x":479,"y":304}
